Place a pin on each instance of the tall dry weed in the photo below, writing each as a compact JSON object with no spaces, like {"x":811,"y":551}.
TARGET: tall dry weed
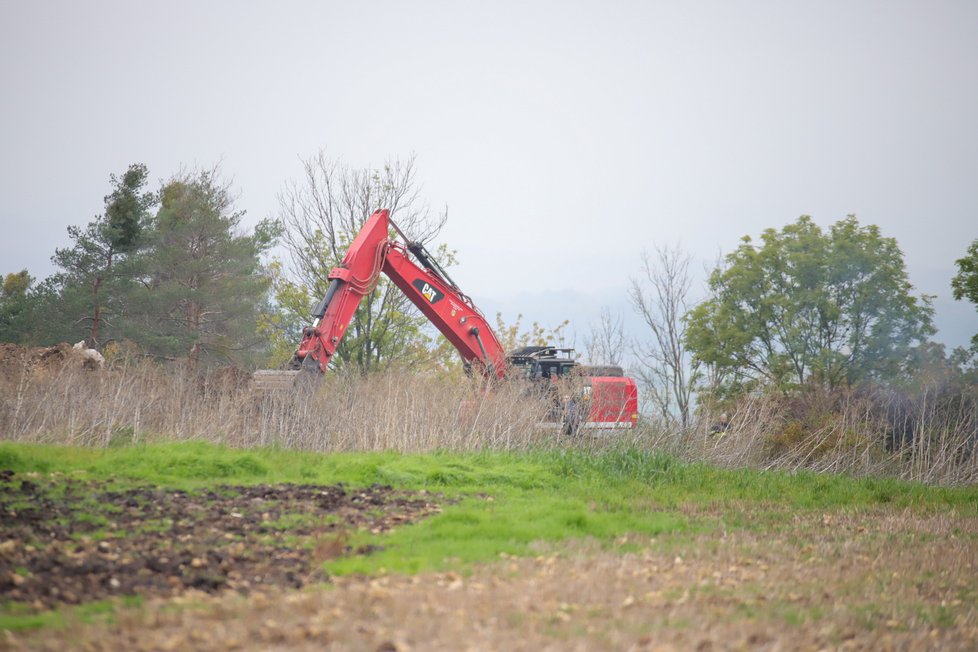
{"x":137,"y":400}
{"x":930,"y":437}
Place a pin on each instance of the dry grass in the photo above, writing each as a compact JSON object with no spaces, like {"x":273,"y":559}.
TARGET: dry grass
{"x":921,"y":439}
{"x":928,"y":439}
{"x":140,"y":401}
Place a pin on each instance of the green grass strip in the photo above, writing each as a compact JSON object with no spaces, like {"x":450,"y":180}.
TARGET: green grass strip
{"x":541,"y":496}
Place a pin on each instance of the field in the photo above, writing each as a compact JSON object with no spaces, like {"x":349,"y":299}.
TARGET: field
{"x":199,"y":546}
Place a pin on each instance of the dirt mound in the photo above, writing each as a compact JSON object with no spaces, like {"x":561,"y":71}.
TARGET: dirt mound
{"x":16,"y":361}
{"x":74,"y":541}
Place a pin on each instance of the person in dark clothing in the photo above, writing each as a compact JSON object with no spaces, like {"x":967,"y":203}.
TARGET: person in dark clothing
{"x":572,"y":416}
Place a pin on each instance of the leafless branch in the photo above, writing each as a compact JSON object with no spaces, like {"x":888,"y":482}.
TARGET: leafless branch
{"x":660,"y":297}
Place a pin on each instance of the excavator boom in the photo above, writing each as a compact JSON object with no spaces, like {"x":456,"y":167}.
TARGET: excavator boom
{"x":429,"y":288}
{"x":449,"y":310}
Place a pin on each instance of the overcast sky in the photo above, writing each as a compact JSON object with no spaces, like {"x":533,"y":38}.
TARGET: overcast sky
{"x":564,"y":137}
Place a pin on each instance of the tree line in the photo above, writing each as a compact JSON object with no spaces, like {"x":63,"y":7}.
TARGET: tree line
{"x":171,"y":273}
{"x":168,"y":271}
{"x":804,"y":309}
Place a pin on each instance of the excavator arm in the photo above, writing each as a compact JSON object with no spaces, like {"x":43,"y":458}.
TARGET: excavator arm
{"x":428,"y":287}
{"x":609,"y":400}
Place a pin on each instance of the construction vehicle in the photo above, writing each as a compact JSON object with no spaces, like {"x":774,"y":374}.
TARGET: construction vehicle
{"x":606,"y":400}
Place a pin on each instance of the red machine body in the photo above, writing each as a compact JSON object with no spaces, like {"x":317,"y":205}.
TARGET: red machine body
{"x":609,"y":398}
{"x":614,"y":400}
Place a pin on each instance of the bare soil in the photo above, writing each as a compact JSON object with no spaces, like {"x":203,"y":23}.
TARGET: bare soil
{"x":73,"y":541}
{"x":885,"y":579}
{"x":15,"y":360}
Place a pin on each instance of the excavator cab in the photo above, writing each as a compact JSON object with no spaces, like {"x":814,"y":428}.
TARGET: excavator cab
{"x":604,"y":398}
{"x":552,"y":372}
{"x":542,"y":362}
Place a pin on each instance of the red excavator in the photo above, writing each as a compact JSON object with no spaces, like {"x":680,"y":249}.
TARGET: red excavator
{"x":605,"y":397}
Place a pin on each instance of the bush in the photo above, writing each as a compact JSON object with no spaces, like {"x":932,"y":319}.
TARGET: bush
{"x":927,"y":436}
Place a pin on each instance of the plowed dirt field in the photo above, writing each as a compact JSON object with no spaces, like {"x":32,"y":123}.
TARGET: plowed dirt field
{"x":236,"y":568}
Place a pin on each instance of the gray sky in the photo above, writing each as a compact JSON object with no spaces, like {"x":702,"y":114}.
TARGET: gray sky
{"x":565,"y":137}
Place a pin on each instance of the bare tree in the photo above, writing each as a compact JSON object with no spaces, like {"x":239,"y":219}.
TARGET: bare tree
{"x":605,"y":343}
{"x":322,"y":214}
{"x":660,"y":297}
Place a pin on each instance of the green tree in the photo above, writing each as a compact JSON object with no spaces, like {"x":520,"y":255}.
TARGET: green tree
{"x":808,"y":306}
{"x":282,"y":326}
{"x":965,"y":282}
{"x":321,"y":215}
{"x":204,"y":286}
{"x":95,"y":277}
{"x":15,"y":307}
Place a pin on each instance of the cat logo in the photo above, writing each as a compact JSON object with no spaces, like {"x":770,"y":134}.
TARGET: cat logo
{"x":430,"y":293}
